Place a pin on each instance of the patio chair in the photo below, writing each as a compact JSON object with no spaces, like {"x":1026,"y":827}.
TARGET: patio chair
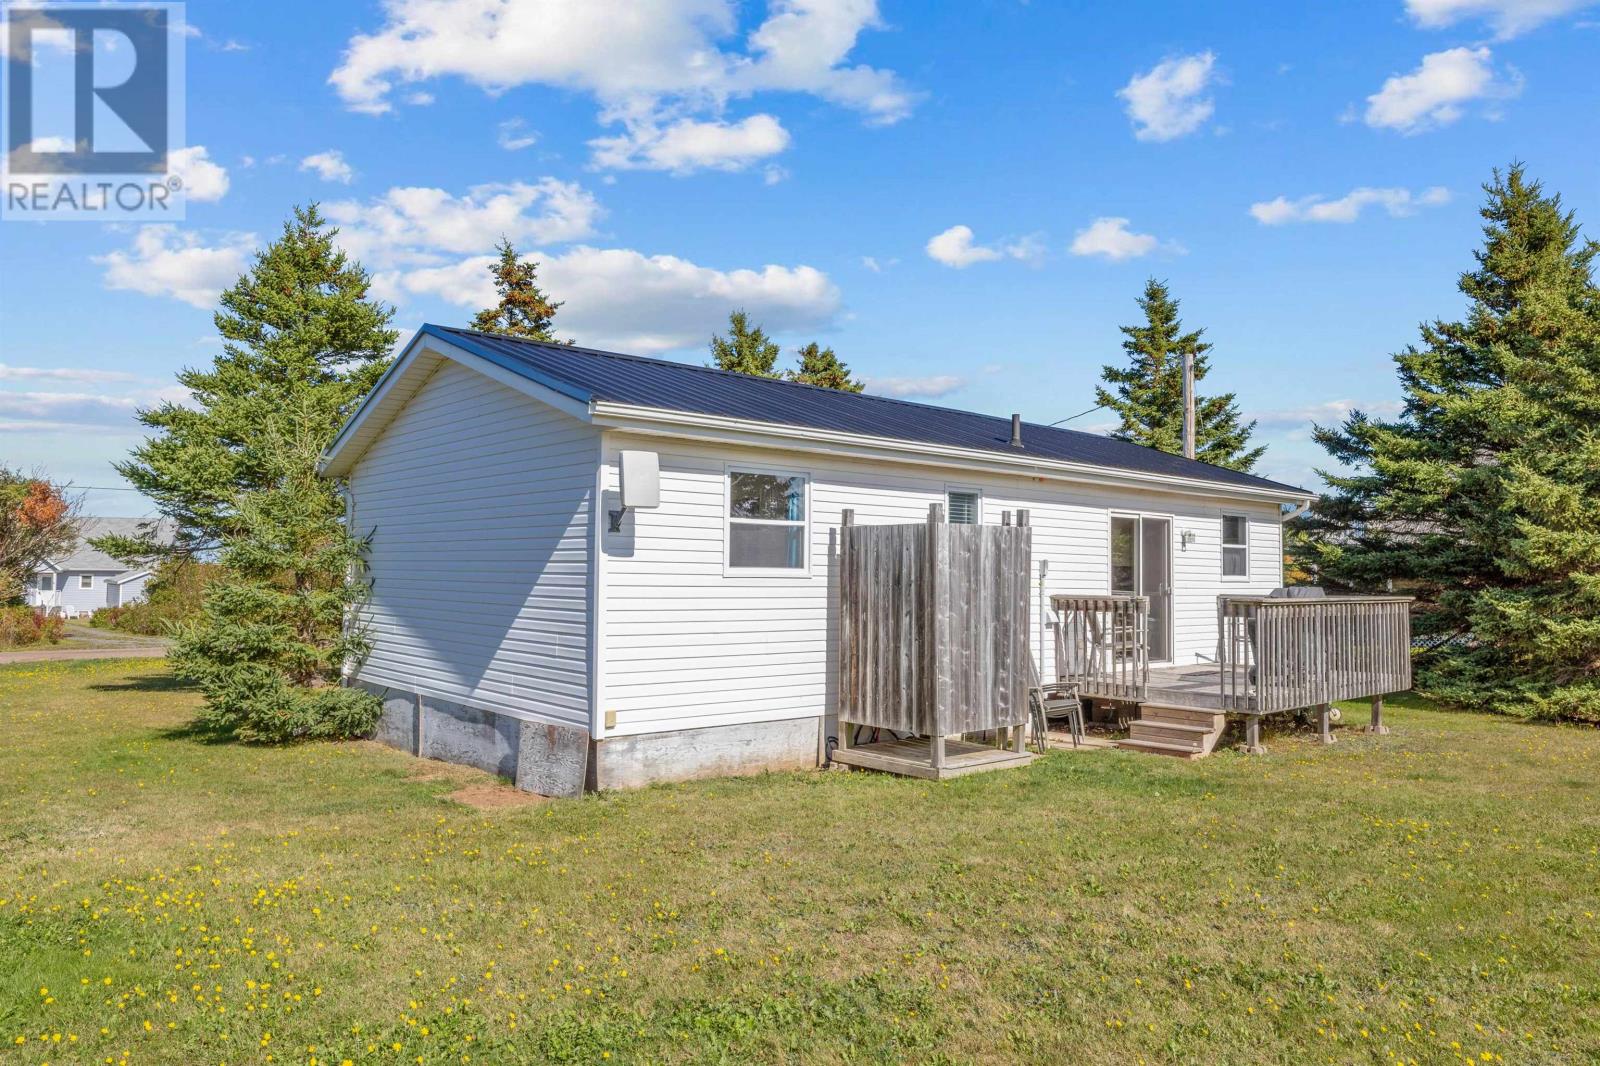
{"x":1061,"y":700}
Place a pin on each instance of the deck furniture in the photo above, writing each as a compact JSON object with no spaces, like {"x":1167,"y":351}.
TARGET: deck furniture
{"x":1060,"y":700}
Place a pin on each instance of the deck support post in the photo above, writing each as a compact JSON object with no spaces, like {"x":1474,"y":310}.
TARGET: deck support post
{"x":1252,"y":735}
{"x":1325,"y":723}
{"x":1377,"y":725}
{"x":1019,"y":738}
{"x":936,"y":746}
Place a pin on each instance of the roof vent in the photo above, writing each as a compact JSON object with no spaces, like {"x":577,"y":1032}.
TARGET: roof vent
{"x":1016,"y":431}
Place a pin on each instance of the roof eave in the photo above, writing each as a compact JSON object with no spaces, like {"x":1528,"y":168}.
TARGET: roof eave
{"x":721,"y":429}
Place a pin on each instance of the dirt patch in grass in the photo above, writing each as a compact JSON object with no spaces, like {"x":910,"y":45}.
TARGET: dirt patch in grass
{"x":494,"y":797}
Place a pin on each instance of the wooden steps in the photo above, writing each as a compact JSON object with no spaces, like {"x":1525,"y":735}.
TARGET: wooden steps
{"x":1178,"y":732}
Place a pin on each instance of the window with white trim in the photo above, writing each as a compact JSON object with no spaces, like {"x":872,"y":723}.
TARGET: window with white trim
{"x":766,"y":521}
{"x":1235,"y":546}
{"x":46,"y":583}
{"x":86,"y":581}
{"x":966,"y":508}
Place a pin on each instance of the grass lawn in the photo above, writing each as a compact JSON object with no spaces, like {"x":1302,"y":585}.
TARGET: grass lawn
{"x":1430,"y":896}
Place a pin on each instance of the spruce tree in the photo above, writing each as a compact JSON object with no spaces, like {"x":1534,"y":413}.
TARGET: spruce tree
{"x":1147,"y":391}
{"x":746,"y":349}
{"x":237,"y":471}
{"x":276,"y":627}
{"x":299,"y":327}
{"x":1480,"y":496}
{"x":820,"y":366}
{"x":523,"y":311}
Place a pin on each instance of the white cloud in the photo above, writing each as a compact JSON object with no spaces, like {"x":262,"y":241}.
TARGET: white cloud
{"x":1111,"y":238}
{"x":515,"y":135}
{"x":329,"y":166}
{"x":65,"y":408}
{"x":164,"y":261}
{"x":1169,"y":100}
{"x":652,"y":61}
{"x":924,"y":388}
{"x":620,"y":298}
{"x":687,"y":145}
{"x":1397,"y":202}
{"x":203,"y":180}
{"x":1508,"y":18}
{"x":955,"y":248}
{"x":1328,"y":413}
{"x":52,"y":373}
{"x":1437,"y":92}
{"x":50,"y":411}
{"x":414,"y":225}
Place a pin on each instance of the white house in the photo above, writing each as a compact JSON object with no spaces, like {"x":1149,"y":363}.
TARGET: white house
{"x":83,"y":580}
{"x":516,"y":627}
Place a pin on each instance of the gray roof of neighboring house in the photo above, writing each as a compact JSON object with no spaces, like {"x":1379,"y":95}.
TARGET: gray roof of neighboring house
{"x":586,"y":375}
{"x":85,"y":557}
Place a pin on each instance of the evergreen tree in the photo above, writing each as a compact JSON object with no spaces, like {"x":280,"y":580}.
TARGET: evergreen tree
{"x":1480,"y":496}
{"x":819,"y":366}
{"x":1147,"y":392}
{"x":238,"y":472}
{"x":272,"y":638}
{"x":298,"y":331}
{"x":523,"y":311}
{"x":746,"y":349}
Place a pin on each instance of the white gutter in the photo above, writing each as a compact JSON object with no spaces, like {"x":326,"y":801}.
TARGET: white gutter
{"x":718,"y":429}
{"x":1299,"y":509}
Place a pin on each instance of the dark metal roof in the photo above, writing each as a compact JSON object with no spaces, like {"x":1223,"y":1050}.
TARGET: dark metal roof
{"x":585,"y":374}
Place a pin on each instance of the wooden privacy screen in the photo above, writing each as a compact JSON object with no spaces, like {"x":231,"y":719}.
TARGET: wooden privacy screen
{"x":933,"y":627}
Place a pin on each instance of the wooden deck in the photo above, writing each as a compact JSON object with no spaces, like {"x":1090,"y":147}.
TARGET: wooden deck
{"x":1198,"y":687}
{"x":914,"y":758}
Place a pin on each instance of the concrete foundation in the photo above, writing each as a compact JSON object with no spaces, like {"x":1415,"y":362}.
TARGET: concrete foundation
{"x":716,"y":751}
{"x":552,"y":760}
{"x":561,"y":760}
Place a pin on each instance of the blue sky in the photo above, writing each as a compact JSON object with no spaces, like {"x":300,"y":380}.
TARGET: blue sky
{"x":962,"y":199}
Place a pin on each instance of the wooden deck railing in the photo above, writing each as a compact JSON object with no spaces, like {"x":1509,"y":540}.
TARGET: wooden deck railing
{"x":1285,"y":654}
{"x":1102,"y":645}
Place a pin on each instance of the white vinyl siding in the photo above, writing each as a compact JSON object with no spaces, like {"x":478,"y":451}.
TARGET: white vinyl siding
{"x":479,"y":501}
{"x":688,"y":643}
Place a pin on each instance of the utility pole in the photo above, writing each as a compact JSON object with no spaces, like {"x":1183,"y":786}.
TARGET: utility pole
{"x":1188,"y":405}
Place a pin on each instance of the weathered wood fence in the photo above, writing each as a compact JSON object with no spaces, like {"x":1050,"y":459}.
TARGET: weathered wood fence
{"x":1286,"y":654}
{"x":934,"y":626}
{"x":1101,"y":644}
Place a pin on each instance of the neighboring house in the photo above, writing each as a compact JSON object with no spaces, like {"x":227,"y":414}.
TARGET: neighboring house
{"x":512,"y":629}
{"x":85,"y":579}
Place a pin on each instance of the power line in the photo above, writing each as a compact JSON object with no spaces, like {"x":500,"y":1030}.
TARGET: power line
{"x":1080,"y":414}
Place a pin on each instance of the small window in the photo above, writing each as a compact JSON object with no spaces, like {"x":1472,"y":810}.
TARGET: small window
{"x":46,"y":584}
{"x":965,"y":508}
{"x":86,"y":581}
{"x":1235,"y":546}
{"x":766,"y":521}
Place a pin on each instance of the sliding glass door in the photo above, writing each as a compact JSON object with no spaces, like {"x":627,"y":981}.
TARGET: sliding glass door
{"x":1141,"y":565}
